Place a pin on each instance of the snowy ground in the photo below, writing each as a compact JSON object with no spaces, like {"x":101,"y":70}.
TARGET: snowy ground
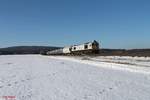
{"x":35,"y":77}
{"x":138,"y":61}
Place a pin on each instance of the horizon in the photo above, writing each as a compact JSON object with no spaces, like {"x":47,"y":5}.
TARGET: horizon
{"x":114,"y":24}
{"x":63,"y":46}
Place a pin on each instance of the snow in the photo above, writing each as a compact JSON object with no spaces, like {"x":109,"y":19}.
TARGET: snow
{"x":36,"y":77}
{"x":141,"y":61}
{"x":113,"y":62}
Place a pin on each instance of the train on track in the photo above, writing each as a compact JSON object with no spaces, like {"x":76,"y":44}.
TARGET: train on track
{"x":86,"y":48}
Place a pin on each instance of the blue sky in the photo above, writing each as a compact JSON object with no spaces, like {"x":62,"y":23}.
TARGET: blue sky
{"x":114,"y":23}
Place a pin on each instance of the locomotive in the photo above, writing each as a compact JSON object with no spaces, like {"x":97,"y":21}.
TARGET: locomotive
{"x":89,"y":47}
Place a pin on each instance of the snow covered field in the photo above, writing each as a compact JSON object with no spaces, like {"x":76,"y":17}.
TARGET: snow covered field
{"x":36,"y":77}
{"x":139,"y":61}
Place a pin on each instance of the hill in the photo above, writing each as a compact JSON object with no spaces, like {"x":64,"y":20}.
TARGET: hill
{"x":102,"y":52}
{"x":26,"y":49}
{"x":124,"y":52}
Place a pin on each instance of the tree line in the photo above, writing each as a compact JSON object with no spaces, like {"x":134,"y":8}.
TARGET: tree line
{"x":44,"y":49}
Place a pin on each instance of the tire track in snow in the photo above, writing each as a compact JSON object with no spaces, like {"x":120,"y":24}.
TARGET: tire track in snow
{"x":114,"y":66}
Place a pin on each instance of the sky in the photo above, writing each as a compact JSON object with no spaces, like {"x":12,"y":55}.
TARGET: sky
{"x":122,"y":24}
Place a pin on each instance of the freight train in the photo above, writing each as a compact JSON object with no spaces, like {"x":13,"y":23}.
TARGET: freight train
{"x":89,"y":47}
